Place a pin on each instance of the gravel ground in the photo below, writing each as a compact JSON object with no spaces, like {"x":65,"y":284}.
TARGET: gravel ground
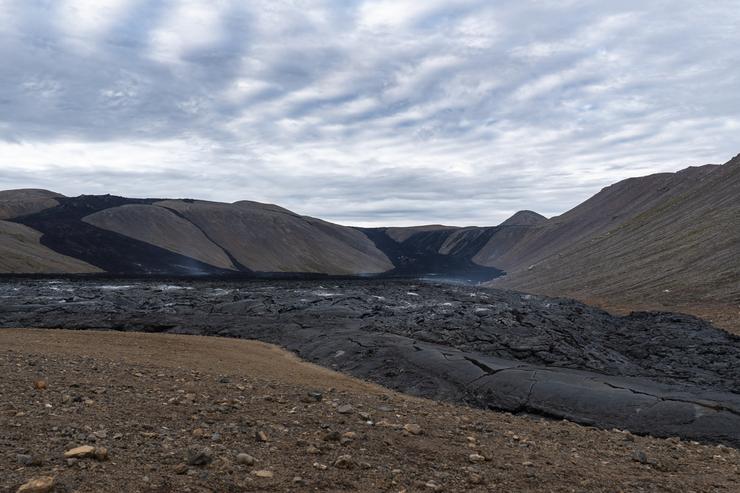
{"x":156,"y":402}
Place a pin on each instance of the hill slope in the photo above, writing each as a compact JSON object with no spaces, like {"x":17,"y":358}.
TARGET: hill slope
{"x":665,"y":240}
{"x":266,"y":238}
{"x":178,"y":237}
{"x":525,"y":218}
{"x":22,"y":253}
{"x":671,"y":237}
{"x":163,"y":228}
{"x":15,"y":203}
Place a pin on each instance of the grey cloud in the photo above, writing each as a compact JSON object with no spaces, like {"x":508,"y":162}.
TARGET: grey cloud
{"x":462,"y":113}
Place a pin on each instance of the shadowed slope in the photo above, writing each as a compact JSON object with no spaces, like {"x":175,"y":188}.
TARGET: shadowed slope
{"x":267,"y":238}
{"x":22,"y":253}
{"x":442,"y":252}
{"x":64,"y":231}
{"x":163,"y":228}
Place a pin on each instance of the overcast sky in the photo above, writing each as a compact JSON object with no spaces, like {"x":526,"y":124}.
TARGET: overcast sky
{"x":387,"y":112}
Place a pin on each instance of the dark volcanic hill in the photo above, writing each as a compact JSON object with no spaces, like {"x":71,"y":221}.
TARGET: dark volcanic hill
{"x":668,"y":239}
{"x":187,"y":237}
{"x":525,"y":218}
{"x":124,"y":236}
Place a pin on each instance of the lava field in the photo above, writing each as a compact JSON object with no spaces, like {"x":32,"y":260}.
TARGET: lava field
{"x":653,"y":373}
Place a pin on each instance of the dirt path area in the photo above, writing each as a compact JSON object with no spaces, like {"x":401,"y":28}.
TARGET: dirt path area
{"x":169,"y":413}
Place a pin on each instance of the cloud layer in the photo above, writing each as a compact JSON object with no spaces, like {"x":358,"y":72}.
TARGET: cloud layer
{"x":385,"y":112}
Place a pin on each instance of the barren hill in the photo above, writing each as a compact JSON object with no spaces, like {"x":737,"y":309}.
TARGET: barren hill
{"x":178,"y":237}
{"x":271,"y":239}
{"x":668,"y":240}
{"x":525,"y":218}
{"x":22,"y":252}
{"x":671,"y":238}
{"x":15,"y":203}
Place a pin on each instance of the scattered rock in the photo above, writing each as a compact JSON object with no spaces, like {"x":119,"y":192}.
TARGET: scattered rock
{"x":24,"y":459}
{"x":639,"y":456}
{"x":261,"y":436}
{"x":263,"y":473}
{"x":433,"y":485}
{"x":474,"y":458}
{"x":413,"y":429}
{"x":43,"y":484}
{"x":80,"y":452}
{"x":245,"y":459}
{"x":345,"y":409}
{"x":181,"y":468}
{"x":40,"y":384}
{"x":332,"y":436}
{"x":199,"y":456}
{"x":100,"y":454}
{"x":642,"y":458}
{"x":344,"y":462}
{"x":475,"y":478}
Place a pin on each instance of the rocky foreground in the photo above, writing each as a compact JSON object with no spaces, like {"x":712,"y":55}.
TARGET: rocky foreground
{"x":652,"y":373}
{"x":99,"y":412}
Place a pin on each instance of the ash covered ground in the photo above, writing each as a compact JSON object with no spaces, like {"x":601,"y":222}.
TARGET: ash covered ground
{"x":652,"y":373}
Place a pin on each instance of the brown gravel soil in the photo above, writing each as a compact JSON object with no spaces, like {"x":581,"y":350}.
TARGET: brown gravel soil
{"x":169,"y":413}
{"x":723,"y":315}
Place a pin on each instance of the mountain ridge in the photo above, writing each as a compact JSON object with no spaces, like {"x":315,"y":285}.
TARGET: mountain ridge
{"x":661,"y":239}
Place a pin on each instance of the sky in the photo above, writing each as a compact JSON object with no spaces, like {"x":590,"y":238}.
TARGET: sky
{"x":368,"y":113}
